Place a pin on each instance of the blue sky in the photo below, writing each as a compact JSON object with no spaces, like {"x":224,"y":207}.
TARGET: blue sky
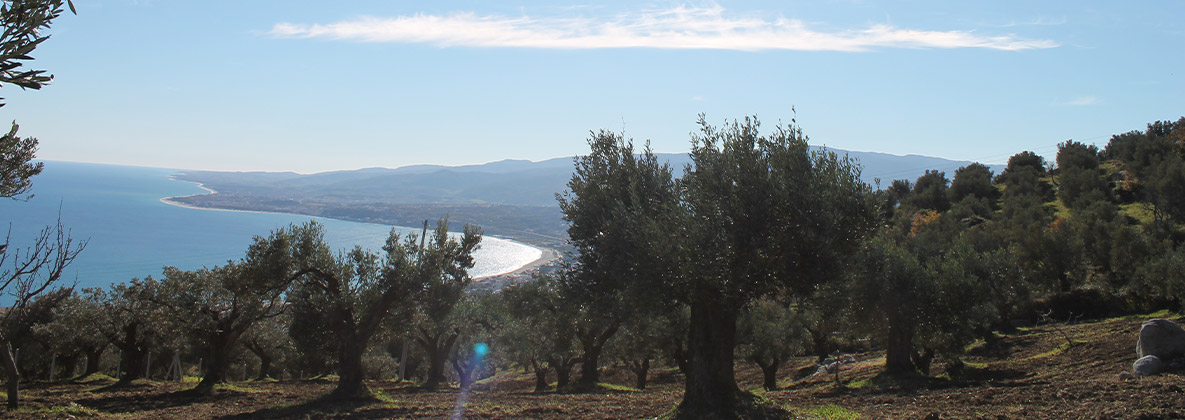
{"x":315,"y":86}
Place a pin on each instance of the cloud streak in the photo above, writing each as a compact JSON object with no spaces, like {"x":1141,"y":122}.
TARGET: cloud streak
{"x":1083,"y":101}
{"x":683,"y":27}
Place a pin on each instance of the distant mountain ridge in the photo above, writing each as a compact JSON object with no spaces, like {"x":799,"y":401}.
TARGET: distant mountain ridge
{"x":504,"y":182}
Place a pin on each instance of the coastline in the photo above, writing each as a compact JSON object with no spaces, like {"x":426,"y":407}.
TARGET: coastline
{"x":546,"y":255}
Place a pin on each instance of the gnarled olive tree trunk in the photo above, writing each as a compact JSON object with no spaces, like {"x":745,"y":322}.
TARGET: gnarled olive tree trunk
{"x":219,"y":346}
{"x":711,"y":388}
{"x":438,"y":347}
{"x":592,"y":342}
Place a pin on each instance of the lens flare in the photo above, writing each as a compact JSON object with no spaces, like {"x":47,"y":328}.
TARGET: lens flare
{"x":480,"y":350}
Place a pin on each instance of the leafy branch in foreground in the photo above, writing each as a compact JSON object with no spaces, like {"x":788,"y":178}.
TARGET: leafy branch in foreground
{"x":26,"y":273}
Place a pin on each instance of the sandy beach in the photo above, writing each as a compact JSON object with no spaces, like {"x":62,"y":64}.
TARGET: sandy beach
{"x":546,"y":255}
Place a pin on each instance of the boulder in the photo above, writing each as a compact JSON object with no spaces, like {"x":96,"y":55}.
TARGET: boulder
{"x":1147,"y":366}
{"x":1161,"y":338}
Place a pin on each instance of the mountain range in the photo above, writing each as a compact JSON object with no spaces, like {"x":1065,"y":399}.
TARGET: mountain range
{"x":505,"y":182}
{"x":512,"y":198}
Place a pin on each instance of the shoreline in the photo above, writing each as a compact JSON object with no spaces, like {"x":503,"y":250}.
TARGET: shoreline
{"x":546,"y":255}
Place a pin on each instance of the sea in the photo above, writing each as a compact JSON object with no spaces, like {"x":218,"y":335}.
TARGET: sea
{"x":130,"y":233}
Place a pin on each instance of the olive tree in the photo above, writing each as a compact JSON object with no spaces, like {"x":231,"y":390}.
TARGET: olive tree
{"x":540,"y":330}
{"x":220,"y":304}
{"x":619,"y":207}
{"x":771,"y":332}
{"x":929,"y":292}
{"x":73,"y":331}
{"x":133,"y":322}
{"x":357,"y":290}
{"x":269,"y":342}
{"x":442,"y":276}
{"x":766,"y":215}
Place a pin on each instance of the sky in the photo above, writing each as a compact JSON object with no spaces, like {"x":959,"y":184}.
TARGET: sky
{"x":287,"y":85}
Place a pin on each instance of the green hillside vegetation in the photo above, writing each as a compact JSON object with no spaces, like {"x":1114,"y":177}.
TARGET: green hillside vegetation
{"x":716,"y":293}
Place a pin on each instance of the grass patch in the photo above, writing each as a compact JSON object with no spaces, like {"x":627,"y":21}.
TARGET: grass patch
{"x":831,"y":412}
{"x":322,"y":378}
{"x":975,"y":365}
{"x":1056,"y":351}
{"x":1163,"y":313}
{"x":71,"y":410}
{"x":379,"y":395}
{"x":1059,"y":209}
{"x":1141,"y":212}
{"x":615,"y":387}
{"x":95,"y":377}
{"x":863,"y":383}
{"x":236,"y":388}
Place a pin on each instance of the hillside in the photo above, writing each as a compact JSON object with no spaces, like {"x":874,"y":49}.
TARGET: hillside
{"x":1031,"y":373}
{"x":509,"y":198}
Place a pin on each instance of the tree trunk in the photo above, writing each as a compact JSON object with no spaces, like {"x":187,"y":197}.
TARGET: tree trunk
{"x":592,"y":343}
{"x":218,"y":361}
{"x":641,"y":370}
{"x":711,"y":389}
{"x":265,"y":359}
{"x":769,"y":372}
{"x":679,"y":353}
{"x":923,"y":360}
{"x":92,"y":361}
{"x":14,"y":377}
{"x":437,"y":355}
{"x":563,"y":370}
{"x":68,"y":367}
{"x":465,"y":372}
{"x":265,"y":367}
{"x":132,"y":362}
{"x":540,"y":376}
{"x":349,"y":368}
{"x":820,"y":344}
{"x":898,"y":350}
{"x":590,"y":372}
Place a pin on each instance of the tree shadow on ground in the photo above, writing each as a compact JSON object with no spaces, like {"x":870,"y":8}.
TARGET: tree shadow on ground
{"x":1003,"y":349}
{"x":131,"y":398}
{"x":135,"y":386}
{"x":913,"y":384}
{"x":337,"y":408}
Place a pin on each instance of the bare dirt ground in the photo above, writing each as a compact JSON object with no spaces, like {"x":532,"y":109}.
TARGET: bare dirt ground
{"x":1032,"y":374}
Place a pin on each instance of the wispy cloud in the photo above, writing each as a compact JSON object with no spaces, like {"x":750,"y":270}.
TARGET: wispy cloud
{"x":1038,"y":21}
{"x":1082,"y":101}
{"x":680,"y":27}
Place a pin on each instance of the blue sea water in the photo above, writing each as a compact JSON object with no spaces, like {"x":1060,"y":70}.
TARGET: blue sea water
{"x":131,"y":233}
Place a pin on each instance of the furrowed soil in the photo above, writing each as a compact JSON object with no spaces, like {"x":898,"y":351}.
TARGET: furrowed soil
{"x":1047,"y":372}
